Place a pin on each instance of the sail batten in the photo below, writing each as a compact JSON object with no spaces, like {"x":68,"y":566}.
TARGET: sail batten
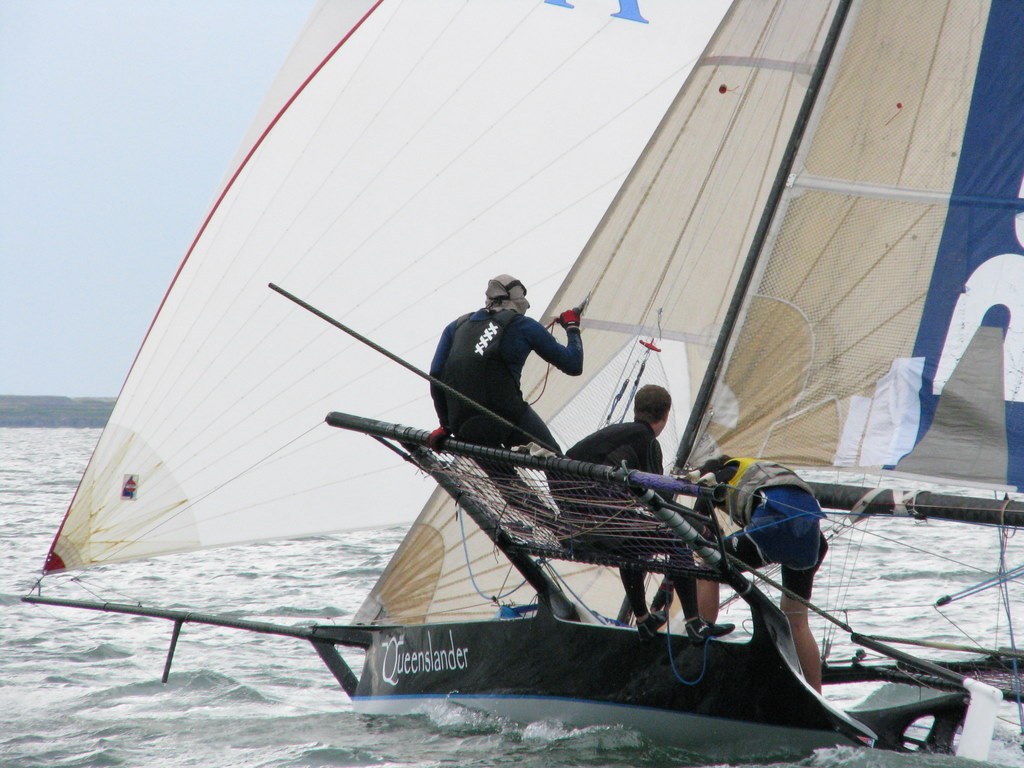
{"x":903,"y":194}
{"x":879,"y":191}
{"x":756,"y":63}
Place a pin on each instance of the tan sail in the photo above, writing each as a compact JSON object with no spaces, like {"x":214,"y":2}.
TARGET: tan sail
{"x":827,"y":333}
{"x":661,"y":265}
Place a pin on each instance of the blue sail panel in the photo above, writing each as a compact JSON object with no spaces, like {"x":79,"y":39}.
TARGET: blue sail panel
{"x":880,"y":327}
{"x":971,"y":335}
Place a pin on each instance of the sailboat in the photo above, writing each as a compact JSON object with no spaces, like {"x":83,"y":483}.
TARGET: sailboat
{"x":801,"y":217}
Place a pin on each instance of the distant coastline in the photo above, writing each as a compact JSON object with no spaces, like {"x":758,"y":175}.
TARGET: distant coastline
{"x":76,"y":412}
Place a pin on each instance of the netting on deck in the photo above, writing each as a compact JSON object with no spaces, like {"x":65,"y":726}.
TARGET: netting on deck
{"x":553,"y":513}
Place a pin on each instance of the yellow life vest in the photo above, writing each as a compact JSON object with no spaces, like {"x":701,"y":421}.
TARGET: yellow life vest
{"x":752,"y":475}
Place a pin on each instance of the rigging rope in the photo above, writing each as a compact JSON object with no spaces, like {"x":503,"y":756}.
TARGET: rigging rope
{"x":846,"y":571}
{"x":671,"y":656}
{"x":1004,"y":591}
{"x":469,"y":566}
{"x":649,"y":346}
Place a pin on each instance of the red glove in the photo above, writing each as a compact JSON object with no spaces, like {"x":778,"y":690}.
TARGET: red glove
{"x":569,"y":319}
{"x":436,"y":440}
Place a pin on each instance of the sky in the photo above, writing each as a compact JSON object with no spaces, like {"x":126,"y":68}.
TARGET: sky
{"x":119,"y":119}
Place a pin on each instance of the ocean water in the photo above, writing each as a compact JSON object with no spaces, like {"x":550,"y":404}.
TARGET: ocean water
{"x":79,"y":688}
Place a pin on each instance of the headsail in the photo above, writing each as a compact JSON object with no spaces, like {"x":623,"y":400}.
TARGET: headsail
{"x":407,"y":146}
{"x":662,"y":264}
{"x":880,"y":330}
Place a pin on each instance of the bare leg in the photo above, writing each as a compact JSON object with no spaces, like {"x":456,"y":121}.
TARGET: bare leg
{"x":707,"y":600}
{"x":806,"y":645}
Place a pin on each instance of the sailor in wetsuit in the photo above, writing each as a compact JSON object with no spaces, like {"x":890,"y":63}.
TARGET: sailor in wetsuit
{"x":482,"y":356}
{"x":775,"y":519}
{"x":635,"y":444}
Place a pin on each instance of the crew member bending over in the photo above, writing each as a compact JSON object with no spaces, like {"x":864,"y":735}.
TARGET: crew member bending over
{"x":778,"y":521}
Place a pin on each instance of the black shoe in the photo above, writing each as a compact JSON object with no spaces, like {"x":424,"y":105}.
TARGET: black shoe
{"x":648,"y":628}
{"x":699,"y":630}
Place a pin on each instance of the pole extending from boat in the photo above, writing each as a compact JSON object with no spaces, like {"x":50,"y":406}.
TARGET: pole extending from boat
{"x":407,"y":365}
{"x":942,"y":646}
{"x":187,"y":617}
{"x":640,"y":481}
{"x":322,"y":638}
{"x":920,"y":504}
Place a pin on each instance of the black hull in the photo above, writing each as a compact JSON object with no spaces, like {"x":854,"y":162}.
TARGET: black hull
{"x":723,"y":699}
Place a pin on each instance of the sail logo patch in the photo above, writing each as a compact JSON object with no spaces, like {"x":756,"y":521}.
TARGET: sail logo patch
{"x":130,"y":487}
{"x":486,"y":338}
{"x":971,"y":333}
{"x":398,"y":660}
{"x":628,"y":9}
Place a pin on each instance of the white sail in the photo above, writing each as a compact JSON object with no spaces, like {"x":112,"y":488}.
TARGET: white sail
{"x":811,"y":233}
{"x":661,"y":266}
{"x":881,"y":328}
{"x":408,"y":152}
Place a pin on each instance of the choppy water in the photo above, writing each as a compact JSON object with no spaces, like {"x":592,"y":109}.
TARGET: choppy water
{"x":83,"y":689}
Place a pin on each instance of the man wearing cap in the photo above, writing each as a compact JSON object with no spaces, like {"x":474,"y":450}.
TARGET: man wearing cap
{"x":482,"y":354}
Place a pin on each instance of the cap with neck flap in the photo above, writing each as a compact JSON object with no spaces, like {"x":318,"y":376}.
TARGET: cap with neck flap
{"x":505,"y":292}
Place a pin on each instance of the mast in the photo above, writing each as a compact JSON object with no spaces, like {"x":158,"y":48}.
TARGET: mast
{"x":703,"y":399}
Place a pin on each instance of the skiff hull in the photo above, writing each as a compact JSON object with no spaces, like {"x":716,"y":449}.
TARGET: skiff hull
{"x":725,"y":699}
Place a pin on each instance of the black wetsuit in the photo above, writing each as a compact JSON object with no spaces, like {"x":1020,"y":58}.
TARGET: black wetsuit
{"x":635,"y":444}
{"x":482,"y":356}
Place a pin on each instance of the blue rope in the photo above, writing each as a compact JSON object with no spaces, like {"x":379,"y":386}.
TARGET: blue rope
{"x":469,"y":567}
{"x":615,"y":403}
{"x":671,"y":657}
{"x":629,"y":400}
{"x":999,"y":580}
{"x":642,"y":363}
{"x":672,"y":661}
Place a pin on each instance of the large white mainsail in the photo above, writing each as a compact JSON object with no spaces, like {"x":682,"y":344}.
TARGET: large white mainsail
{"x":881,"y":327}
{"x":408,"y":152}
{"x":661,"y":266}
